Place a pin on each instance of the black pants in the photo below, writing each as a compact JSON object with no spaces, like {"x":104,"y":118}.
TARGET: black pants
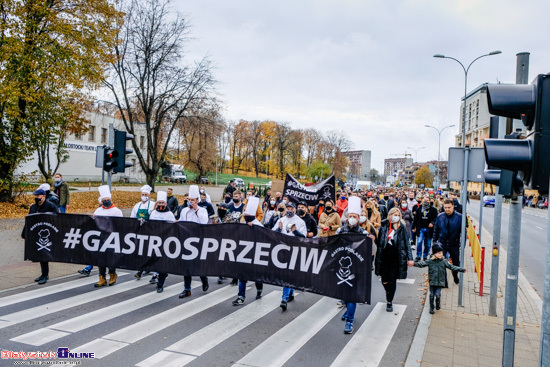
{"x":45,"y":268}
{"x":454,"y":253}
{"x":187,"y":281}
{"x":390,"y":288}
{"x":103,"y":269}
{"x":161,"y":278}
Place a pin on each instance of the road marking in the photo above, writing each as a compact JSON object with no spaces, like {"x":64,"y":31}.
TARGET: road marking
{"x":368,"y":345}
{"x":281,"y":346}
{"x":64,"y":328}
{"x":193,"y":346}
{"x":538,"y":227}
{"x":63,"y":304}
{"x":48,"y":290}
{"x":406,"y":281}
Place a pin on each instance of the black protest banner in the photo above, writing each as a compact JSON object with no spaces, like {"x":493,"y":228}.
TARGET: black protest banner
{"x":297,"y":192}
{"x":337,"y":266}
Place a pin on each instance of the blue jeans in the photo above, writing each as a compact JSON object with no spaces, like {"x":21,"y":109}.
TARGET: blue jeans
{"x":62,"y":209}
{"x":350,"y":311}
{"x":242,"y":288}
{"x":287,"y":292}
{"x":89,"y":268}
{"x":424,"y":237}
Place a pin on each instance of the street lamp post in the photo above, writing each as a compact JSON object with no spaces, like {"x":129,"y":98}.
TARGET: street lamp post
{"x":465,"y":172}
{"x":416,"y":152}
{"x":439,"y":151}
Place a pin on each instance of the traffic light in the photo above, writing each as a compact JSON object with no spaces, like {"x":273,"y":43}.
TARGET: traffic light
{"x":109,"y":158}
{"x":530,"y":156}
{"x":120,"y":146}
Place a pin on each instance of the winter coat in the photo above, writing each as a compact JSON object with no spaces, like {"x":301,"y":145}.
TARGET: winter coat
{"x":437,"y":269}
{"x":447,"y":229}
{"x":408,"y":218}
{"x":331,"y":220}
{"x":423,"y":218}
{"x":401,"y":240}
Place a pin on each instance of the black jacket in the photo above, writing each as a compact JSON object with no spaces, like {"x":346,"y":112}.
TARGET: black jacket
{"x":46,"y":207}
{"x":311,"y":224}
{"x":209,"y":209}
{"x":423,"y":219}
{"x":401,"y":239}
{"x":447,"y":229}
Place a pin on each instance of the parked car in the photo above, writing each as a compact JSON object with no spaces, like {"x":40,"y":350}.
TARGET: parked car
{"x":204,"y":180}
{"x":489,"y":200}
{"x":239,"y":182}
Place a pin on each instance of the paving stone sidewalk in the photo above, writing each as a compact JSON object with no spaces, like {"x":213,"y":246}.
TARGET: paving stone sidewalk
{"x":468,"y":336}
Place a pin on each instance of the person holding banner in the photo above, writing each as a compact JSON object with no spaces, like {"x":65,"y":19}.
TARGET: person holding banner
{"x":393,"y":254}
{"x":107,"y":209}
{"x":291,"y":225}
{"x":193,"y":213}
{"x":353,"y":226}
{"x":250,"y":219}
{"x":162,"y":212}
{"x":142,"y":210}
{"x":329,"y":221}
{"x":311,"y":224}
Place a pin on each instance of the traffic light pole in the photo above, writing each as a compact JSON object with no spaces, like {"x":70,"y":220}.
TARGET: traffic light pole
{"x":481,"y":210}
{"x":544,"y":356}
{"x":495,"y":259}
{"x":511,"y":295}
{"x":111,"y":144}
{"x":464,"y":197}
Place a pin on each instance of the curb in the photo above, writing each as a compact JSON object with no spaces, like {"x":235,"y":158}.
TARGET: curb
{"x":416,"y":350}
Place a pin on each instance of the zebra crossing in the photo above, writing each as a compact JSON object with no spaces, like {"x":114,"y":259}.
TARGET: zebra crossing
{"x":130,"y":322}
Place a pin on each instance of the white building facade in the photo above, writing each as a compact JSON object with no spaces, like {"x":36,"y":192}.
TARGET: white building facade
{"x":80,"y":166}
{"x":477,"y":118}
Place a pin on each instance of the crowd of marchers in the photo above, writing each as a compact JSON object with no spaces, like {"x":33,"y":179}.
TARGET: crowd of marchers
{"x":398,"y":221}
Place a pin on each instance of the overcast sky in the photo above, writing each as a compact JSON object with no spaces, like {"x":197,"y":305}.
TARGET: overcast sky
{"x":364,"y":66}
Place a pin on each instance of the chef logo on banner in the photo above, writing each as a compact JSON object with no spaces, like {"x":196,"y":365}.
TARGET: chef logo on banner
{"x":297,"y":192}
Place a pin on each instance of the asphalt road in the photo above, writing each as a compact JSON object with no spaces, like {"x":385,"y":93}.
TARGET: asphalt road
{"x":534,"y":223}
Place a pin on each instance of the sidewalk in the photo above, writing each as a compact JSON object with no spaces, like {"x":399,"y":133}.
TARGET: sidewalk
{"x":468,"y":336}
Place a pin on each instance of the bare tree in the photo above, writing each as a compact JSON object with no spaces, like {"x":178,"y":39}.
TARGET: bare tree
{"x":148,"y":83}
{"x":312,"y":138}
{"x":282,"y":142}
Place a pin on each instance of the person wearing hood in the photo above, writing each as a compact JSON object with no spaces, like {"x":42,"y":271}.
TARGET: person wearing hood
{"x":291,"y":225}
{"x":50,"y":196}
{"x":407,"y":215}
{"x":423,"y":226}
{"x":311,"y":224}
{"x":353,"y":225}
{"x":341,"y":204}
{"x":437,"y":270}
{"x":61,"y":189}
{"x":330,"y":221}
{"x":141,"y":211}
{"x":162,"y":212}
{"x":193,"y":213}
{"x":393,"y":254}
{"x":107,"y":209}
{"x":251,"y":220}
{"x":41,"y":205}
{"x":202,"y":190}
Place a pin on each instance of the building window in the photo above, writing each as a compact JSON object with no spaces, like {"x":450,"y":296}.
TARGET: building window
{"x":91,"y":133}
{"x":103,"y":135}
{"x":142,"y":142}
{"x":134,"y":165}
{"x":78,"y":136}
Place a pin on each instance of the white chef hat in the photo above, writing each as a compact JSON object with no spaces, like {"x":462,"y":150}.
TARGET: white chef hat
{"x":354,"y":205}
{"x":194,"y":192}
{"x":45,"y":187}
{"x":146,"y":188}
{"x":104,"y":192}
{"x":161,"y":196}
{"x":252,"y":206}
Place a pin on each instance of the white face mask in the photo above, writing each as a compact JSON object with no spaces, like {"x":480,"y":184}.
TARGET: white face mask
{"x":272,"y":202}
{"x":404,"y":205}
{"x":395,"y":219}
{"x":57,"y":179}
{"x":284,"y":202}
{"x":144,"y":198}
{"x":362,"y":219}
{"x":352,"y":222}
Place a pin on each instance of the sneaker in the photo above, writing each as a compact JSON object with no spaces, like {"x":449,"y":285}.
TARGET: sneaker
{"x":153,"y":279}
{"x":146,"y":272}
{"x":389,"y":307}
{"x":220,"y":280}
{"x":417,"y":259}
{"x":258,"y":295}
{"x":43,"y":280}
{"x":84,"y":272}
{"x":349,"y":328}
{"x":291,"y":297}
{"x":413,"y":247}
{"x":341,"y":303}
{"x":283,"y":305}
{"x":138,"y":275}
{"x":205,"y":286}
{"x":185,"y":293}
{"x":345,"y":316}
{"x":160,"y":289}
{"x":239,"y":301}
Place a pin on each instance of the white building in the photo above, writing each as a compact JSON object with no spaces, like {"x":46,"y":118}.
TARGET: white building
{"x":359,"y":166}
{"x":80,"y":166}
{"x":477,"y":118}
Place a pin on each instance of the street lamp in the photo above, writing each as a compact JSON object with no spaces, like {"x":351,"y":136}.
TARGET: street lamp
{"x":416,"y":152}
{"x":466,"y":153}
{"x":439,"y":151}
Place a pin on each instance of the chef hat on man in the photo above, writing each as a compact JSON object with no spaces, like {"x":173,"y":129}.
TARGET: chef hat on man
{"x":146,"y":188}
{"x":161,"y":196}
{"x":104,"y":192}
{"x":194,"y":192}
{"x":252,"y":206}
{"x":354,"y":205}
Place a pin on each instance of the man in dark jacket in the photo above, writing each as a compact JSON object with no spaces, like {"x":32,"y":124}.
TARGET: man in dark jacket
{"x":41,"y":205}
{"x":206,"y":205}
{"x":172,"y":201}
{"x":447,"y":231}
{"x":311,"y":224}
{"x":423,"y":226}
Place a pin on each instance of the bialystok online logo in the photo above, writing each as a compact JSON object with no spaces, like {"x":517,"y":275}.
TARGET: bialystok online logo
{"x":62,"y":353}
